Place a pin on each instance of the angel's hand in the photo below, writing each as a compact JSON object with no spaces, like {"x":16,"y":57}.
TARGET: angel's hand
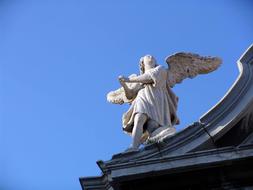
{"x":123,"y":79}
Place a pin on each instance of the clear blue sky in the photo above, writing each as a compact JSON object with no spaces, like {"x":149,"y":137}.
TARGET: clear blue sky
{"x":58,"y":59}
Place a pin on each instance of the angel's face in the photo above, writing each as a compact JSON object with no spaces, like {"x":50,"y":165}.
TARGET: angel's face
{"x":149,"y":62}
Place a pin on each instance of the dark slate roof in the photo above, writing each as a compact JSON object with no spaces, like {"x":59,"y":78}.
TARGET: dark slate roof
{"x":223,"y":134}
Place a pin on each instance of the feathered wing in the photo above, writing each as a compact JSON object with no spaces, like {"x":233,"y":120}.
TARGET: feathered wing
{"x":187,"y":65}
{"x":119,"y":97}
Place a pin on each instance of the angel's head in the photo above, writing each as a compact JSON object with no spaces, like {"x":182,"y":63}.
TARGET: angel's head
{"x":147,"y":62}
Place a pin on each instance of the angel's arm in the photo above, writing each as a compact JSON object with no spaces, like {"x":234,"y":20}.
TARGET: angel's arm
{"x":131,"y":93}
{"x":144,"y":78}
{"x":128,"y":92}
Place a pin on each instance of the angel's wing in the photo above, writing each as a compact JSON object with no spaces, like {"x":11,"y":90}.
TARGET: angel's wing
{"x":119,"y":97}
{"x":183,"y":65}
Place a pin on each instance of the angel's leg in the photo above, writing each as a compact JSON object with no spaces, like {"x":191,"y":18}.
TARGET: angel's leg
{"x":139,"y":121}
{"x":152,"y":125}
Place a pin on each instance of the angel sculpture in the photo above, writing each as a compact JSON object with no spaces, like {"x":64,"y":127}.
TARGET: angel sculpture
{"x":153,"y":105}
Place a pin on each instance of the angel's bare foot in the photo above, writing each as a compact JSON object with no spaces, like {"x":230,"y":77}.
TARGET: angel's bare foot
{"x":161,"y":133}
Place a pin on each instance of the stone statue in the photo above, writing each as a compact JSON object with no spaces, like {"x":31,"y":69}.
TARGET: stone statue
{"x":153,"y":105}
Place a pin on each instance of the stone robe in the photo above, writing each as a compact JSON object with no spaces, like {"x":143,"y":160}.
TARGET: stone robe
{"x":156,"y":100}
